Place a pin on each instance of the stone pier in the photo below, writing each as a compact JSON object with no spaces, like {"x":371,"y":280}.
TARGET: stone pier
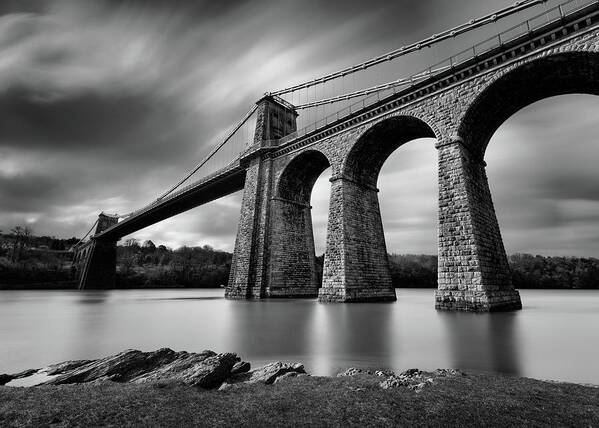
{"x":96,"y":259}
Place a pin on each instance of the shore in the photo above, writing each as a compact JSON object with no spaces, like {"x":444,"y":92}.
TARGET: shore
{"x":167,"y":388}
{"x":471,"y":400}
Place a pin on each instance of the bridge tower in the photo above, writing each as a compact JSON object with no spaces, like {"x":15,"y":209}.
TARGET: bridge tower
{"x":97,"y":258}
{"x":253,"y":266}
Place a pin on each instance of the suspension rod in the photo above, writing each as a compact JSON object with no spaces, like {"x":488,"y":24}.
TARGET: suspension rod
{"x":212,"y":152}
{"x":404,"y":50}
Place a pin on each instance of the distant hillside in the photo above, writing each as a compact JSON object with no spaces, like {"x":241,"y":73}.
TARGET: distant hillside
{"x":141,"y":266}
{"x":28,"y":261}
{"x":528,"y":271}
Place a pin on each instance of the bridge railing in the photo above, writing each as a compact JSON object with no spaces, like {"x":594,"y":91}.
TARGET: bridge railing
{"x":373,"y":95}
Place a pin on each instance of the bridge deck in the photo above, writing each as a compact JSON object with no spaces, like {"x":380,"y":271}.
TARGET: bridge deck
{"x":223,"y":182}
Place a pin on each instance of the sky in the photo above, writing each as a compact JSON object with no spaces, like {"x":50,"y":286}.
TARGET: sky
{"x":104,"y":104}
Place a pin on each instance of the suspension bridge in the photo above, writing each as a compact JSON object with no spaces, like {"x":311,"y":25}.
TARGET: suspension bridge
{"x":351,"y":120}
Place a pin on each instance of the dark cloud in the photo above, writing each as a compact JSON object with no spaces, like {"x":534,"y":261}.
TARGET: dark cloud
{"x":22,"y":6}
{"x":29,"y":192}
{"x":84,"y":121}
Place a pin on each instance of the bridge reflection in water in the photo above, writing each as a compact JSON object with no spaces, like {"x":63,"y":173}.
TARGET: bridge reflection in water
{"x":483,"y":342}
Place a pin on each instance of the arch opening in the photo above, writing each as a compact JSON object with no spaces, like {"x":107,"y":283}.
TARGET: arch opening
{"x":560,"y":74}
{"x":408,"y":195}
{"x":293,"y":268}
{"x":366,"y":158}
{"x":299,"y":176}
{"x":542,"y":172}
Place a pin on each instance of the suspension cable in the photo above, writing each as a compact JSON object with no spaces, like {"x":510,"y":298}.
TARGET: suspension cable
{"x":404,"y":50}
{"x":88,"y":232}
{"x":212,"y":152}
{"x":372,"y":89}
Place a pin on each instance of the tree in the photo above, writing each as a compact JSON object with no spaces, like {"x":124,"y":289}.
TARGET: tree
{"x":149,"y":245}
{"x":131,"y":242}
{"x":22,"y":236}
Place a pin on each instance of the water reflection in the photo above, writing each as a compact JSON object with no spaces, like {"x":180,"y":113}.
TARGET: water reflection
{"x":92,"y":297}
{"x":552,"y":338}
{"x":485,"y":342}
{"x":272,"y":329}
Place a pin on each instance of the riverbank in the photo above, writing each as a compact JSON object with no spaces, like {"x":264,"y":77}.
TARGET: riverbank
{"x":468,"y":400}
{"x":168,"y":388}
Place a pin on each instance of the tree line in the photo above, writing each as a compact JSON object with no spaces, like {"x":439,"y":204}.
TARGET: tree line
{"x":527,"y":271}
{"x":147,"y":265}
{"x":28,"y":259}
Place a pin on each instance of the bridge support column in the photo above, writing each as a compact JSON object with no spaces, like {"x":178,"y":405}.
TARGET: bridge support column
{"x":292,"y":263}
{"x":474,"y":274}
{"x":247,"y":279}
{"x":97,"y":269}
{"x":249,"y":269}
{"x":356,"y":265}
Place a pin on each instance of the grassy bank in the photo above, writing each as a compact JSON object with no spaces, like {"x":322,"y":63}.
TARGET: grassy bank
{"x":471,"y":400}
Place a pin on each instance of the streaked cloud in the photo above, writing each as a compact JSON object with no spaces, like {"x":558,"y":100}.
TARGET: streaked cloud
{"x":104,"y":104}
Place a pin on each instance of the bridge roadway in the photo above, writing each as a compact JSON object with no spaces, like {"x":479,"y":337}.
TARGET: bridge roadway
{"x":221,"y":183}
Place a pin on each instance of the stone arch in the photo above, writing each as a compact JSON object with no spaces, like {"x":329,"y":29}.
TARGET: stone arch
{"x":356,"y":265}
{"x":484,"y":283}
{"x":552,"y":75}
{"x":293,"y":259}
{"x":299,"y":175}
{"x":367,"y":156}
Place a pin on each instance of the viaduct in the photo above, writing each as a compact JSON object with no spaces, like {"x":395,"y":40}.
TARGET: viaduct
{"x":460,"y":106}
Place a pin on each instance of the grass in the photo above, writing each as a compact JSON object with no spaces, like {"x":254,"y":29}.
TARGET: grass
{"x":473,"y":400}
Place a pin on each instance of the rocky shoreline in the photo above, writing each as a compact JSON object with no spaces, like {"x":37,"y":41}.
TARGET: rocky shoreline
{"x":206,"y":369}
{"x":168,"y":388}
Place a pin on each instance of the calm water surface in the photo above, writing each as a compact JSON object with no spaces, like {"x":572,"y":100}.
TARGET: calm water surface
{"x":554,"y":337}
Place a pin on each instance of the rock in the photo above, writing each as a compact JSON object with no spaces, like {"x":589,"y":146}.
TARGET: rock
{"x":285,"y":376}
{"x":226,"y":386}
{"x":211,"y":372}
{"x":449,"y":372}
{"x":241,"y":367}
{"x":352,"y":371}
{"x":121,"y":367}
{"x":410,"y":372}
{"x":205,"y":369}
{"x":384,"y":373}
{"x":24,"y":373}
{"x":267,"y":374}
{"x":5,"y":378}
{"x":413,"y":379}
{"x":186,"y":368}
{"x":393,"y":382}
{"x":65,"y":366}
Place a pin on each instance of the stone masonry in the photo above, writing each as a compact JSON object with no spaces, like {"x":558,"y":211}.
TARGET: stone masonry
{"x":461,"y":110}
{"x":97,"y":258}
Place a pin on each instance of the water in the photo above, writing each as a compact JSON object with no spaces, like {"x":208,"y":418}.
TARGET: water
{"x":553,"y":337}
